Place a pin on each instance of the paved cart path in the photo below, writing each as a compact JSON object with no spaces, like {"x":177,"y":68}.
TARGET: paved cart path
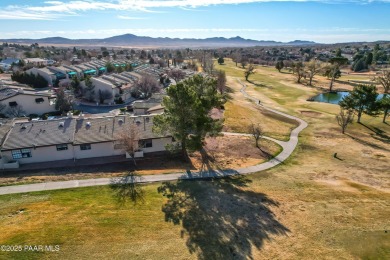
{"x":288,"y":148}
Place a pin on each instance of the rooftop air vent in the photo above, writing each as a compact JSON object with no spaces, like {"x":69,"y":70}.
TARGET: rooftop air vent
{"x":88,"y":124}
{"x":120,"y":121}
{"x":61,"y":124}
{"x":23,"y":127}
{"x":138,"y":122}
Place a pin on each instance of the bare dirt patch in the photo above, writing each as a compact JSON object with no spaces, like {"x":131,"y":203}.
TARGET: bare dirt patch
{"x":232,"y":152}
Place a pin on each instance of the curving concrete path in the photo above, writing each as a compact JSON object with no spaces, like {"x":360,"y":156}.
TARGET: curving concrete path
{"x":288,"y":148}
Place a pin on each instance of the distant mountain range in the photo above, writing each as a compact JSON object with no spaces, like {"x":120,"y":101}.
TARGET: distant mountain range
{"x":132,"y":40}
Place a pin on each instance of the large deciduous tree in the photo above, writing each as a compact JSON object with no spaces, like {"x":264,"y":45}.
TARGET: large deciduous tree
{"x":187,"y":109}
{"x":129,"y":140}
{"x":148,"y":85}
{"x":177,"y":74}
{"x":384,"y":80}
{"x":313,"y":67}
{"x":221,"y":81}
{"x":298,"y":70}
{"x":249,"y":71}
{"x":362,"y":100}
{"x":332,"y":70}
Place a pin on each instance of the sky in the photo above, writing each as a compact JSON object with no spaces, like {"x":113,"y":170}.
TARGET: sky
{"x":323,"y":21}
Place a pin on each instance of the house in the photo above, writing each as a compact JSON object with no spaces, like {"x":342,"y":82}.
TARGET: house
{"x":155,"y":110}
{"x":78,"y":138}
{"x":142,"y":107}
{"x":20,"y":102}
{"x":36,"y":61}
{"x":6,"y":64}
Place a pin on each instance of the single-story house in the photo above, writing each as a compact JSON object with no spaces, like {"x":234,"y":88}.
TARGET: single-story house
{"x":78,"y":138}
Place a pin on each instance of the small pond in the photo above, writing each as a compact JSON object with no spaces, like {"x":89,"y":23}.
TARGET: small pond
{"x":334,"y":97}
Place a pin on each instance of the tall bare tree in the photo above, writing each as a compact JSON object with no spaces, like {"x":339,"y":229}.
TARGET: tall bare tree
{"x":344,"y":118}
{"x":208,"y":63}
{"x":249,"y":71}
{"x":15,"y":111}
{"x":384,"y":80}
{"x":313,"y":67}
{"x":148,"y":85}
{"x":221,"y":81}
{"x":256,"y":132}
{"x":177,"y":74}
{"x":298,"y":70}
{"x":129,"y":140}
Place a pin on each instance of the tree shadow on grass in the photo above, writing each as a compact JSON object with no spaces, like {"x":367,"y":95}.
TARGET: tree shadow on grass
{"x":128,"y":189}
{"x":259,"y":84}
{"x":220,"y":219}
{"x":361,"y":141}
{"x":379,"y":134}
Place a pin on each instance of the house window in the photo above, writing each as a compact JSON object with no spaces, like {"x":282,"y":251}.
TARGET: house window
{"x":39,"y":100}
{"x":62,"y":147}
{"x":147,"y":143}
{"x":22,"y":153}
{"x":13,"y":104}
{"x":84,"y":147}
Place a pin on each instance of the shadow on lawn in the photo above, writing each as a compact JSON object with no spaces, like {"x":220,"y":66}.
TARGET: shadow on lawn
{"x":259,"y":84}
{"x":128,"y":189}
{"x":219,"y":219}
{"x":378,"y":134}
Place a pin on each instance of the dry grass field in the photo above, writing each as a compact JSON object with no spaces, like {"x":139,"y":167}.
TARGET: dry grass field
{"x":312,"y":206}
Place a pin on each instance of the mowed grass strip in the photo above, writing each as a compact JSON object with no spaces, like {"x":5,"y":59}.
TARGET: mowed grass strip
{"x":88,"y":223}
{"x":239,"y":116}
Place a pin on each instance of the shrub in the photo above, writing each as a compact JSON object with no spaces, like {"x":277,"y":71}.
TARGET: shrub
{"x":76,"y":112}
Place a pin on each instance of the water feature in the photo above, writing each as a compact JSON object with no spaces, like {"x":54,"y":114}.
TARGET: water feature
{"x":334,"y":97}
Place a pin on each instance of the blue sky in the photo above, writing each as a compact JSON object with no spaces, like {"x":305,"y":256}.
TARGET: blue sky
{"x":325,"y":21}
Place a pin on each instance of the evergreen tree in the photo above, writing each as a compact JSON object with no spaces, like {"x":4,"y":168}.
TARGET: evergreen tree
{"x":279,"y":65}
{"x":187,"y":108}
{"x":362,"y":100}
{"x":359,"y":65}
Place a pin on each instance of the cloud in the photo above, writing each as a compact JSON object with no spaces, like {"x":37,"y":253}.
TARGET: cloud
{"x":124,"y":17}
{"x":51,"y":9}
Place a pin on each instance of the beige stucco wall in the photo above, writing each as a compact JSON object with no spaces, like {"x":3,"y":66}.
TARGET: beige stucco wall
{"x":29,"y":105}
{"x":103,"y":86}
{"x":43,"y":154}
{"x":158,"y":145}
{"x":50,"y":153}
{"x":97,"y":150}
